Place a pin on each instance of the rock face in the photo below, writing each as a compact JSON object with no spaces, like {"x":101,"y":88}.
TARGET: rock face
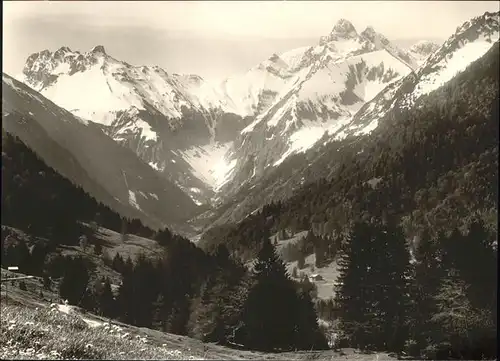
{"x":217,"y":142}
{"x":422,"y":50}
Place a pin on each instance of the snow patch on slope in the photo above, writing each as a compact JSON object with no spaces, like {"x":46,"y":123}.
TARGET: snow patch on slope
{"x":133,"y":200}
{"x":142,"y":127}
{"x":450,"y":67}
{"x":102,"y":94}
{"x":210,"y":163}
{"x":155,"y":166}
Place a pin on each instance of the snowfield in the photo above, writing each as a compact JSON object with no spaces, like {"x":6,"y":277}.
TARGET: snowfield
{"x":210,"y":163}
{"x":451,"y":66}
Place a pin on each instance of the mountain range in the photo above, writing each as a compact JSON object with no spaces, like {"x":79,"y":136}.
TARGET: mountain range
{"x":167,"y":147}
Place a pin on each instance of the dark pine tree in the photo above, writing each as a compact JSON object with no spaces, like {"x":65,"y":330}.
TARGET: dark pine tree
{"x":372,"y":294}
{"x":464,"y":324}
{"x":73,"y":286}
{"x":425,"y":282}
{"x":309,"y":335}
{"x":159,"y":314}
{"x":353,"y":291}
{"x":390,"y":276}
{"x":273,"y":304}
{"x":105,"y":300}
{"x":118,"y":263}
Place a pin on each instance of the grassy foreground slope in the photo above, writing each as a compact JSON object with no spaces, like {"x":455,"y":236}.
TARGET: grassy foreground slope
{"x":34,"y":329}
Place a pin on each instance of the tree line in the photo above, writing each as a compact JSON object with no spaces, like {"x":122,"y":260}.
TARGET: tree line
{"x":40,"y":201}
{"x":438,"y":303}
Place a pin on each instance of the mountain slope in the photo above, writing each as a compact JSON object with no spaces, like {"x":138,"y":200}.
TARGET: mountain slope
{"x":324,"y":158}
{"x":35,"y":197}
{"x":209,"y":139}
{"x":381,"y":42}
{"x":162,"y":117}
{"x":432,"y":166}
{"x":471,"y":40}
{"x":141,"y":192}
{"x":257,"y":136}
{"x":305,"y":93}
{"x":421,"y":50}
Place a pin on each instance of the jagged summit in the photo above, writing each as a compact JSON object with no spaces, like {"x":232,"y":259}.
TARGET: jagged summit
{"x":344,"y":28}
{"x":378,"y":39}
{"x":43,"y":68}
{"x":483,"y":29}
{"x":98,"y":49}
{"x":64,"y":49}
{"x":424,"y":47}
{"x":369,"y":31}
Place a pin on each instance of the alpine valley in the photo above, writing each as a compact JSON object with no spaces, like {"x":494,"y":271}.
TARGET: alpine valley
{"x":308,"y":179}
{"x":216,"y":141}
{"x":224,"y":145}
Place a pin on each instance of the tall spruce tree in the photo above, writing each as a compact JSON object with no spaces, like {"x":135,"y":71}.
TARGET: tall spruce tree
{"x":73,"y":286}
{"x":272,"y":311}
{"x":104,"y":298}
{"x":391,"y":281}
{"x":270,"y":305}
{"x":372,"y":292}
{"x":425,"y":282}
{"x":159,"y":313}
{"x":353,"y":289}
{"x":464,"y":324}
{"x":309,"y":335}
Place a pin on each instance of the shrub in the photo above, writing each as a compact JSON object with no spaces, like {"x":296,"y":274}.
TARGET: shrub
{"x":22,"y":286}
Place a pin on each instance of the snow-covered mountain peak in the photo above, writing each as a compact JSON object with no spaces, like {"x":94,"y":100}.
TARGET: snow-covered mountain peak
{"x":485,"y":23}
{"x":482,"y":31}
{"x":424,"y":47}
{"x":470,"y":42}
{"x":379,"y":40}
{"x":343,"y":29}
{"x":111,"y":85}
{"x":43,"y":69}
{"x":61,"y":52}
{"x":99,"y":49}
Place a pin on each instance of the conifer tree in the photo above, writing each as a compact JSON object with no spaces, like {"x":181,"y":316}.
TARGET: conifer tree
{"x":118,"y":263}
{"x":464,"y":324}
{"x":270,"y":303}
{"x":47,"y":283}
{"x":301,"y":261}
{"x":353,"y":289}
{"x":372,"y":289}
{"x":309,"y":335}
{"x":159,"y":313}
{"x":73,"y":286}
{"x":273,"y":304}
{"x":426,"y":278}
{"x":126,"y":297}
{"x":391,"y":280}
{"x":105,"y":300}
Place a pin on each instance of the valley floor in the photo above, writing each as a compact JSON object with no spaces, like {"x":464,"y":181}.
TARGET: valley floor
{"x":32,"y":328}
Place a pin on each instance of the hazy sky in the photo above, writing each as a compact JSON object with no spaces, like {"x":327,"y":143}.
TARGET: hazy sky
{"x":213,"y":38}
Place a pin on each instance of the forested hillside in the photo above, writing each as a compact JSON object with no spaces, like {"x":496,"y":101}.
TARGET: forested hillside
{"x":209,"y":296}
{"x":410,"y":215}
{"x":432,"y":166}
{"x":38,"y":200}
